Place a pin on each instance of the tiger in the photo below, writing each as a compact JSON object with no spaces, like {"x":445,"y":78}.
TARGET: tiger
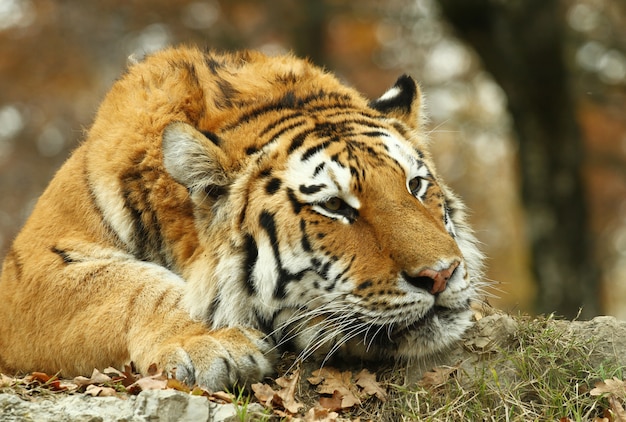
{"x":227,"y":206}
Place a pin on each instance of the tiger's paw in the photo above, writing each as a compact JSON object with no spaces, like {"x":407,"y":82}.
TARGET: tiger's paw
{"x":220,"y":359}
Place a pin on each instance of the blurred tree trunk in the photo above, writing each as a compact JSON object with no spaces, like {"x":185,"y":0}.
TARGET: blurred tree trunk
{"x":521,"y":45}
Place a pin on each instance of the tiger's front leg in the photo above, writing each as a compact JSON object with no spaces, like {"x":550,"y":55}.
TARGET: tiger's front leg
{"x":214,"y":359}
{"x":114,"y":309}
{"x":166,"y":335}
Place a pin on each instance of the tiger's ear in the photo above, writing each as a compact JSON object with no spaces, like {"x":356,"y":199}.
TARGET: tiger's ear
{"x":402,"y":101}
{"x":194,"y":160}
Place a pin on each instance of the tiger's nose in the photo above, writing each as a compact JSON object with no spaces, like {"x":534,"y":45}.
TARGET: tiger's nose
{"x":432,"y":280}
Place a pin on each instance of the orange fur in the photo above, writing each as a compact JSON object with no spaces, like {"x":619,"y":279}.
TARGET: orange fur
{"x":154,"y":243}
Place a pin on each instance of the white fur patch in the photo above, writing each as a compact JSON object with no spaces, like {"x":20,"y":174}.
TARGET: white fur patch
{"x":110,"y":202}
{"x":390,"y":94}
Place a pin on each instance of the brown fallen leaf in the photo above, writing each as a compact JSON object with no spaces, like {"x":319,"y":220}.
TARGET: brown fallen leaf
{"x":152,"y":382}
{"x":51,"y":382}
{"x":332,"y":403}
{"x":331,"y":380}
{"x":96,"y":377}
{"x":264,"y":393}
{"x":99,"y":391}
{"x":6,"y":381}
{"x":129,"y":376}
{"x":619,"y":414}
{"x":281,"y":399}
{"x":437,"y":376}
{"x":174,"y":384}
{"x":367,"y":381}
{"x":613,"y":386}
{"x":320,"y":415}
{"x":288,"y":391}
{"x":221,"y":396}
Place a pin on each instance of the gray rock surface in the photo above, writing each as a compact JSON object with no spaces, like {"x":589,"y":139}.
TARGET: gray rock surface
{"x":152,"y":405}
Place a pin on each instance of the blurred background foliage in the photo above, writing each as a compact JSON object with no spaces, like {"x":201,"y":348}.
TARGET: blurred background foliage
{"x":527,"y":105}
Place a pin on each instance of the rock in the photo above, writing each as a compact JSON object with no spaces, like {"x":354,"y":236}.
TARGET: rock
{"x":606,"y":336}
{"x":490,"y":332}
{"x":152,"y":405}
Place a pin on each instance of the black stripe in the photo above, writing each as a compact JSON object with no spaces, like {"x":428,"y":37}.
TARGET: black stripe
{"x":342,"y":110}
{"x":136,"y":194}
{"x":319,"y":168}
{"x":311,"y":189}
{"x":306,"y":245}
{"x":63,"y":254}
{"x":286,"y":129}
{"x":212,"y":137}
{"x":298,"y":140}
{"x":213,"y":64}
{"x":268,"y":223}
{"x":227,"y":94}
{"x":252,"y":254}
{"x":401,"y":129}
{"x":278,"y":122}
{"x":375,"y":134}
{"x":295,"y":204}
{"x":365,"y":285}
{"x":272,"y":186}
{"x":314,"y":150}
{"x":280,"y":105}
{"x":323,"y":271}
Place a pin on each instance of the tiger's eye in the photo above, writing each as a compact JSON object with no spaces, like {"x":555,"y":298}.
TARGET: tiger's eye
{"x":333,"y":204}
{"x":414,"y":185}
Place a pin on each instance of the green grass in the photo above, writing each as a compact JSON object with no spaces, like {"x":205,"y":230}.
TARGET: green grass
{"x":542,"y":375}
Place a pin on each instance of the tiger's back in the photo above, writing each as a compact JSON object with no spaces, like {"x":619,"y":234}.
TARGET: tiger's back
{"x":220,"y":205}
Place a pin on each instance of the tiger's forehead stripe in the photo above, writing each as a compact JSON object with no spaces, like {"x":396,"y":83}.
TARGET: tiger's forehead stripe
{"x":336,"y":166}
{"x":289,"y":101}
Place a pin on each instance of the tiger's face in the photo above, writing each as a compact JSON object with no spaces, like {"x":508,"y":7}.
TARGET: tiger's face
{"x":343,"y":238}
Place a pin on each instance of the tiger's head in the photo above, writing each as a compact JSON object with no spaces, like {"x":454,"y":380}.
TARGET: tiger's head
{"x":322,"y":219}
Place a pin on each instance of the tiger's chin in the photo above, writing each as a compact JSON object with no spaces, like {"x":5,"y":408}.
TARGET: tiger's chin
{"x":438,"y":330}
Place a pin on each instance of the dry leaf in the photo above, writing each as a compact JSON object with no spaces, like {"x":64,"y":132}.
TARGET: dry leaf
{"x":613,"y":386}
{"x":330,"y":380}
{"x":264,"y":393}
{"x":332,"y":403}
{"x":367,"y":381}
{"x":320,"y":415}
{"x":282,"y":399}
{"x":6,"y":381}
{"x":618,"y":410}
{"x":51,"y":382}
{"x":222,"y":396}
{"x":153,"y":382}
{"x":288,"y":391}
{"x":174,"y":384}
{"x":113,"y":373}
{"x":437,"y":376}
{"x":95,"y":390}
{"x":96,"y":377}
